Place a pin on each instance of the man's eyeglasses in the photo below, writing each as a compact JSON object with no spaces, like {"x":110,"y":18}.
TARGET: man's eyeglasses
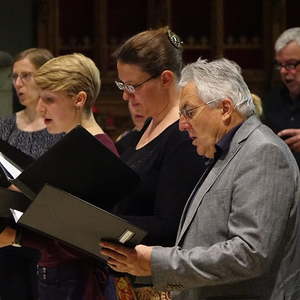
{"x":189,"y":113}
{"x":24,"y":76}
{"x":288,"y":66}
{"x":130,"y":88}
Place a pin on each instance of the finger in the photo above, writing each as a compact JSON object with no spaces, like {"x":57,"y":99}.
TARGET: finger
{"x":113,"y":254}
{"x":117,"y":264}
{"x":296,"y":147}
{"x":291,"y":132}
{"x":292,"y":140}
{"x":115,"y":247}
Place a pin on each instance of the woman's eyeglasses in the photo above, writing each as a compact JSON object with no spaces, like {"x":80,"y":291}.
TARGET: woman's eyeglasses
{"x":130,"y":88}
{"x":24,"y":76}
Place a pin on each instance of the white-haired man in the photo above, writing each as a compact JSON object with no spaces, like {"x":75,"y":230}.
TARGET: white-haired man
{"x":236,"y":239}
{"x":282,"y":104}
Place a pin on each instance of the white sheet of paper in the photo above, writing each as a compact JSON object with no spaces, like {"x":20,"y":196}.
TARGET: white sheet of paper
{"x":16,"y":214}
{"x":14,"y":171}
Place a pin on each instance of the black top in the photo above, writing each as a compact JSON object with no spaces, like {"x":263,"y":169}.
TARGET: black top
{"x":127,"y":140}
{"x":32,"y":143}
{"x":169,"y":168}
{"x":281,"y":112}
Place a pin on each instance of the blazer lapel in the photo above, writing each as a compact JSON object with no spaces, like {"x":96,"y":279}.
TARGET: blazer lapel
{"x":199,"y":191}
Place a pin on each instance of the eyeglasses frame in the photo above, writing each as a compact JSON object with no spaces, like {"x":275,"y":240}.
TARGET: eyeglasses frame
{"x":185,"y":112}
{"x":130,"y":88}
{"x":288,"y":66}
{"x":24,"y":76}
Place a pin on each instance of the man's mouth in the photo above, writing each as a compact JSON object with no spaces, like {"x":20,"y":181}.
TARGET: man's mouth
{"x":288,"y":81}
{"x":47,"y":121}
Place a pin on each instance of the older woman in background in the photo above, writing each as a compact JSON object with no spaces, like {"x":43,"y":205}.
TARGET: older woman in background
{"x":26,"y":131}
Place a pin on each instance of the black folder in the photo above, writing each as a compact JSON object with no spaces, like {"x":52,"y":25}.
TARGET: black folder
{"x":77,"y":223}
{"x":11,"y":200}
{"x":15,"y":157}
{"x":83,"y":166}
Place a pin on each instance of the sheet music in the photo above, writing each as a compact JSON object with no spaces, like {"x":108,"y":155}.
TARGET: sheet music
{"x":16,"y":214}
{"x":10,"y":168}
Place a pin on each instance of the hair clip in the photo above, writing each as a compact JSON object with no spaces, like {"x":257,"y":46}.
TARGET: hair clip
{"x":174,"y":39}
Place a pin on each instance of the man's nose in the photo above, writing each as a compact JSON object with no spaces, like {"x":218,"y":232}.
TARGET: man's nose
{"x":283,"y":70}
{"x":183,"y":124}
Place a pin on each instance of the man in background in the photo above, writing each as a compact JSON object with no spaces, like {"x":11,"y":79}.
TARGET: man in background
{"x":282,"y":105}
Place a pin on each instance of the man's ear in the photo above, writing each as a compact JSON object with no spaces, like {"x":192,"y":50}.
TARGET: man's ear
{"x":80,"y":99}
{"x":167,"y":77}
{"x":227,"y":108}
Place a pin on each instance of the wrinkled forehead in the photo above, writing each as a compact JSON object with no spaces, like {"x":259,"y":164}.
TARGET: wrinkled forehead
{"x":189,"y":95}
{"x":290,"y":52}
{"x":23,"y":65}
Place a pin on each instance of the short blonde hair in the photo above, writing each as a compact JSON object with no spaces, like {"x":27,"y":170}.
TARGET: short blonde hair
{"x":258,"y":105}
{"x":70,"y":74}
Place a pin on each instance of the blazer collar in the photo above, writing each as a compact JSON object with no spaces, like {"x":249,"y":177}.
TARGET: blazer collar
{"x":198,"y":193}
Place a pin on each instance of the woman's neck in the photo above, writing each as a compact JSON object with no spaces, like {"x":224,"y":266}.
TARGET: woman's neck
{"x":29,"y":120}
{"x":159,"y":123}
{"x":89,"y":123}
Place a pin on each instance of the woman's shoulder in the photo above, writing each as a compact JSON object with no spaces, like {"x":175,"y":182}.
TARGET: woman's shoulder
{"x":7,"y":124}
{"x":11,"y":119}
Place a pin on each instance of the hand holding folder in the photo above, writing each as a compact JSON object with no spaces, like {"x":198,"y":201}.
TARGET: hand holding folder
{"x":78,"y":167}
{"x":77,"y":223}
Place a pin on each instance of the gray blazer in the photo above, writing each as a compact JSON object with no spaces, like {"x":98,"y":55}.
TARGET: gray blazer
{"x":236,"y":238}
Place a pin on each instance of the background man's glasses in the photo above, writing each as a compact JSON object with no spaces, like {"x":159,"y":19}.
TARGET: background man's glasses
{"x":130,"y":88}
{"x":24,"y":76}
{"x":288,"y":66}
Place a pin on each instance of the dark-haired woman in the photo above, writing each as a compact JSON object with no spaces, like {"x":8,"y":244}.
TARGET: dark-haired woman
{"x":149,"y":66}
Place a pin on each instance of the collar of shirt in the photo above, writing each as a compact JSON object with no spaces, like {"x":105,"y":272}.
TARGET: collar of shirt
{"x":223,"y":145}
{"x":285,"y":94}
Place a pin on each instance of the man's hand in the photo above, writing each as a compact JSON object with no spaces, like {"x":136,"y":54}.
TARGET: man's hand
{"x":135,"y":261}
{"x":292,"y":138}
{"x":7,"y":237}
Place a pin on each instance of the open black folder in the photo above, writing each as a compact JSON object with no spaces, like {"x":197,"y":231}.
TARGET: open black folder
{"x":76,"y":222}
{"x":11,"y":156}
{"x":81,"y":165}
{"x":15,"y":155}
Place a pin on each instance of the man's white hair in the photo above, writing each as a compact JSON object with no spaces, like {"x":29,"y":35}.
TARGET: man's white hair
{"x":289,"y":35}
{"x":219,"y":79}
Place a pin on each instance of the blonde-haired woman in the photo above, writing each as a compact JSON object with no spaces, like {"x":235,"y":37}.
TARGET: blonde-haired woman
{"x":69,"y":85}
